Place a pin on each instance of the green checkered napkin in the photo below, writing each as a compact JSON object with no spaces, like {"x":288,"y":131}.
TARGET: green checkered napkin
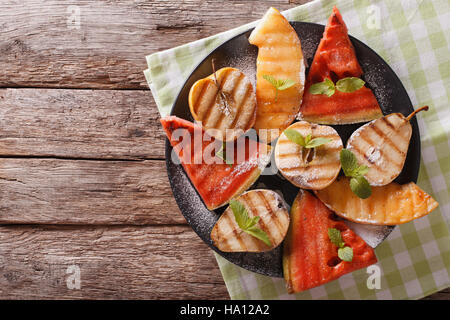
{"x":412,"y":36}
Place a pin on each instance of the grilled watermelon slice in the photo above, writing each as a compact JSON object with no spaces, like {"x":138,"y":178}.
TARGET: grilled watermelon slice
{"x":310,"y":259}
{"x":335,"y":59}
{"x":216,"y":183}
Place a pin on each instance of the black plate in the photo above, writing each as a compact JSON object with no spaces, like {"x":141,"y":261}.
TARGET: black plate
{"x":238,"y":53}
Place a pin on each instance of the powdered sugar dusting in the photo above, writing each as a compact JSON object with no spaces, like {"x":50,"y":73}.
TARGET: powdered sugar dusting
{"x":371,"y":234}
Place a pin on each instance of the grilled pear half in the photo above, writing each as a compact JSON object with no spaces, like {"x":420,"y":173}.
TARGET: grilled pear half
{"x":225,"y":103}
{"x":314,"y":168}
{"x":382,"y":145}
{"x":388,"y":205}
{"x":273,"y":220}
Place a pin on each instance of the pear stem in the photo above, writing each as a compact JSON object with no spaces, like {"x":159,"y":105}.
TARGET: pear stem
{"x":218,"y":85}
{"x":424,"y":108}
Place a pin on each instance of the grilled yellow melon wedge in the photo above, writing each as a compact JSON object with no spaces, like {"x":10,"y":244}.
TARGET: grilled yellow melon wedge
{"x":224,"y":120}
{"x":313,"y":169}
{"x":388,"y":205}
{"x":274,"y":220}
{"x":382,"y":145}
{"x":280,"y":56}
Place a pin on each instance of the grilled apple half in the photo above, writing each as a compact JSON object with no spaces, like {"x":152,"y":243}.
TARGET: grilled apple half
{"x":225,"y":102}
{"x":382,"y":145}
{"x":388,"y":205}
{"x":309,"y":168}
{"x":273,"y":220}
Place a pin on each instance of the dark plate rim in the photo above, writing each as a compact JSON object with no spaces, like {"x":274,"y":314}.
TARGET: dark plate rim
{"x":168,"y":147}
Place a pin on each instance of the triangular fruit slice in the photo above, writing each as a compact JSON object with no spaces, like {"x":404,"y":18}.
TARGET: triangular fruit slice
{"x":310,"y":259}
{"x":215,"y":178}
{"x":388,"y":205}
{"x":335,"y":59}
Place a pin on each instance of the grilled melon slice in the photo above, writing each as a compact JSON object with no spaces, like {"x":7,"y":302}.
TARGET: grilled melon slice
{"x":388,"y":205}
{"x":310,"y":259}
{"x":280,"y":55}
{"x":335,"y":59}
{"x":382,"y":145}
{"x":215,"y":180}
{"x":231,"y":111}
{"x":274,"y":220}
{"x":316,"y":170}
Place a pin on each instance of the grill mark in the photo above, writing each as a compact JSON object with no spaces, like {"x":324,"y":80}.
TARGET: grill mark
{"x":264,"y":227}
{"x":287,"y":155}
{"x":383,"y":154}
{"x":199,"y":98}
{"x":386,"y":138}
{"x":208,"y":111}
{"x":222,"y":80}
{"x":240,"y":107}
{"x":271,"y":212}
{"x":219,"y":121}
{"x":388,"y":123}
{"x":237,"y":84}
{"x":329,"y":150}
{"x":309,"y":167}
{"x":236,"y":234}
{"x":221,"y":237}
{"x":360,"y":152}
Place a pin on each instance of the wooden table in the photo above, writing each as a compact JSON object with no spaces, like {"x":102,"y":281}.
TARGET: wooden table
{"x":83,"y":186}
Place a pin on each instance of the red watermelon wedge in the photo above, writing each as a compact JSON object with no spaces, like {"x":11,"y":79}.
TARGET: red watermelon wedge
{"x":310,"y":259}
{"x":216,"y":183}
{"x":335,"y":59}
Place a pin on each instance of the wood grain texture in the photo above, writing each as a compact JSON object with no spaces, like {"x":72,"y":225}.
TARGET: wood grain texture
{"x":119,"y":124}
{"x":41,"y":45}
{"x":55,"y":191}
{"x":114,"y":263}
{"x":80,"y":207}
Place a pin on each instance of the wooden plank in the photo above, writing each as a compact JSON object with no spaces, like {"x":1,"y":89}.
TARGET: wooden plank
{"x":119,"y":124}
{"x":107,"y":48}
{"x":114,"y":263}
{"x":55,"y":191}
{"x":157,"y":262}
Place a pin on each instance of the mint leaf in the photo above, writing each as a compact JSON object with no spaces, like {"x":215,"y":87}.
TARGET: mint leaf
{"x":345,"y":254}
{"x":251,"y":222}
{"x":360,"y":171}
{"x":306,"y":142}
{"x":271,"y":79}
{"x":349,"y":162}
{"x":221,"y":154}
{"x":280,"y":84}
{"x":308,"y":138}
{"x":259,"y":234}
{"x":335,"y":237}
{"x":360,"y":187}
{"x":295,"y":137}
{"x":349,"y":84}
{"x":248,"y":224}
{"x":317,"y":142}
{"x":325,"y":87}
{"x":285,"y":84}
{"x":240,"y":213}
